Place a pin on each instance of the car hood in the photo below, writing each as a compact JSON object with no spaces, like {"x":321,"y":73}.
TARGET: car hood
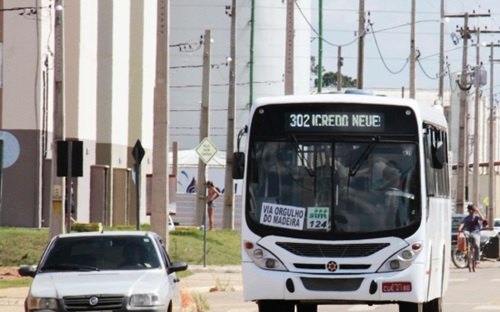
{"x":60,"y":284}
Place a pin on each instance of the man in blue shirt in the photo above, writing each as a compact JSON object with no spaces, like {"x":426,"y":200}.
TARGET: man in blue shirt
{"x":472,"y":224}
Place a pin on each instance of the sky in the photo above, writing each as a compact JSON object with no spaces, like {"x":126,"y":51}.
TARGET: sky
{"x":387,"y":42}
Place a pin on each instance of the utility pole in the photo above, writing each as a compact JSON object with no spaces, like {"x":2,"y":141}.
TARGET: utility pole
{"x":361,"y":43}
{"x":492,"y":141}
{"x":477,"y":137}
{"x":289,"y":53}
{"x":228,"y":222}
{"x":441,"y":54}
{"x":320,"y":47}
{"x":412,"y":50}
{"x":340,"y":62}
{"x":57,"y":212}
{"x":204,"y":127}
{"x":462,"y":130}
{"x":159,"y":210}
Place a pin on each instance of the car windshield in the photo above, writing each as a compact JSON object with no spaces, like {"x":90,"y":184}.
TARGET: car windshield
{"x":94,"y":253}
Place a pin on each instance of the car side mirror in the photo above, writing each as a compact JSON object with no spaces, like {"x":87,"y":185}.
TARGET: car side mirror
{"x":177,"y":266}
{"x":27,"y":270}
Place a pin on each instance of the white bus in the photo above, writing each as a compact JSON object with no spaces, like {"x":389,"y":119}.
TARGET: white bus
{"x":346,"y":201}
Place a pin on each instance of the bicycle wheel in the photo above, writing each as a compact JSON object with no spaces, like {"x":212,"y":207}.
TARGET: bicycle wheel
{"x":459,"y":258}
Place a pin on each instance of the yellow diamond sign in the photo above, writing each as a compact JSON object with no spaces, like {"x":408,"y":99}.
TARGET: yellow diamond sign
{"x":206,"y":150}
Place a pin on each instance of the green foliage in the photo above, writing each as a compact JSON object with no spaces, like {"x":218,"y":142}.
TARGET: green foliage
{"x":20,"y":246}
{"x":223,"y":246}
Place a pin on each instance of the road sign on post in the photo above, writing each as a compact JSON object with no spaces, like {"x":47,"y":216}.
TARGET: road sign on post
{"x":206,"y":150}
{"x":138,"y":154}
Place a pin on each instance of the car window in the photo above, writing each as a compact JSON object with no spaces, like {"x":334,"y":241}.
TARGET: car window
{"x":102,"y":253}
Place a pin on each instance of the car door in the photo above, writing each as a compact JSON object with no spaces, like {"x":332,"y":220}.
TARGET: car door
{"x":173,"y":280}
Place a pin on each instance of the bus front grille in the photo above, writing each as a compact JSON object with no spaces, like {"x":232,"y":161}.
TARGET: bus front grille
{"x":331,"y":284}
{"x":332,"y":250}
{"x":322,"y":266}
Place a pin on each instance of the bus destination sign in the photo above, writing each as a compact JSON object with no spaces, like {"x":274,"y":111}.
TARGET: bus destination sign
{"x":334,"y":121}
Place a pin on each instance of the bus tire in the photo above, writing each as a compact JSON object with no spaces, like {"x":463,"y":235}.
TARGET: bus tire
{"x":275,"y":305}
{"x":307,"y":307}
{"x":434,"y":305}
{"x":410,"y":307}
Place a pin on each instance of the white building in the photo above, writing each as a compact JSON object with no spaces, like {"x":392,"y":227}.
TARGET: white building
{"x":109,"y":67}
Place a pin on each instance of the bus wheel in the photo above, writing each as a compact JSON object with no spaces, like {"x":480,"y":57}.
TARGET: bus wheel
{"x":433,"y":305}
{"x":411,"y":307}
{"x":275,"y":305}
{"x":307,"y":307}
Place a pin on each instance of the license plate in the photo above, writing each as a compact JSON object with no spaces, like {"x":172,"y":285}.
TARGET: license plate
{"x":396,"y":287}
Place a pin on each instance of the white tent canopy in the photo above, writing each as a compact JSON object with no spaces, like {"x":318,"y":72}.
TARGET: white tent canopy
{"x":190,"y":159}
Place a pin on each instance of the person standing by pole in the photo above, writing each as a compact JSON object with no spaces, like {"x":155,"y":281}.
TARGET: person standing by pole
{"x":212,"y":195}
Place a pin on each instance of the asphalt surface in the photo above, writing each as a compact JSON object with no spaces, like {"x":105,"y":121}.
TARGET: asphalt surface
{"x":220,"y":288}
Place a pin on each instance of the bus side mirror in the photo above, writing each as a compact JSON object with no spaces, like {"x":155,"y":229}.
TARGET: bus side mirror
{"x":238,"y":165}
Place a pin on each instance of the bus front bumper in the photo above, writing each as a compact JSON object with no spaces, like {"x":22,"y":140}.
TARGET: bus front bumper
{"x":407,"y":285}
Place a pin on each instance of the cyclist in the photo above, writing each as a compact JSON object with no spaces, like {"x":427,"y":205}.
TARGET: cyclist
{"x":472,"y":224}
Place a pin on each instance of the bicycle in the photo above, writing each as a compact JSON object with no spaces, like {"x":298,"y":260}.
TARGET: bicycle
{"x":465,"y":258}
{"x":472,"y":263}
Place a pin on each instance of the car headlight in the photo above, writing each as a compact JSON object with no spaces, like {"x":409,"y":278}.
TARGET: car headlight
{"x":144,"y":300}
{"x":402,"y":259}
{"x":41,"y":304}
{"x":263,"y":258}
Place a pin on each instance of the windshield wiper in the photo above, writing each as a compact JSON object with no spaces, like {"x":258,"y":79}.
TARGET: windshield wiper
{"x":69,"y":267}
{"x":366,"y":152}
{"x":301,"y":153}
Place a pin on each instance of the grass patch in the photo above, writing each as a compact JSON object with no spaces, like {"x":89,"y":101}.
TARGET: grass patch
{"x":19,"y":246}
{"x":20,"y":282}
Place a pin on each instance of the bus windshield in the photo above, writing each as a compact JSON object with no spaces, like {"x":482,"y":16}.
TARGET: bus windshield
{"x":323,"y":185}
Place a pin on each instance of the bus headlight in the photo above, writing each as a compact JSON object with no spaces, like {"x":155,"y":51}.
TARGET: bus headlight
{"x":263,"y":258}
{"x":402,"y":259}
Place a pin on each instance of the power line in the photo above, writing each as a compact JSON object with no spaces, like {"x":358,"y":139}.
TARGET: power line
{"x":382,"y":57}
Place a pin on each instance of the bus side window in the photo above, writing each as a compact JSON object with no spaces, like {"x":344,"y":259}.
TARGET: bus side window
{"x":436,"y":161}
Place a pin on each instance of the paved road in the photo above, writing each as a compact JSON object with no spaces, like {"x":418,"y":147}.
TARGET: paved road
{"x":467,"y":292}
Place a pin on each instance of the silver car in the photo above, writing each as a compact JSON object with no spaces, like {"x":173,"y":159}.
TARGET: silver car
{"x":104,"y":271}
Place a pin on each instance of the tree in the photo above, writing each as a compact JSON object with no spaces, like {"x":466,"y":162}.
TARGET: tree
{"x":330,"y":78}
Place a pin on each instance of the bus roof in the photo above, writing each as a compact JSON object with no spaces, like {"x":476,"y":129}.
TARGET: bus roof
{"x":431,"y":114}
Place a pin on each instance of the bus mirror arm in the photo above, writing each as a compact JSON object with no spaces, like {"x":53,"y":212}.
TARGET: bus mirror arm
{"x":238,"y":168}
{"x":241,"y":133}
